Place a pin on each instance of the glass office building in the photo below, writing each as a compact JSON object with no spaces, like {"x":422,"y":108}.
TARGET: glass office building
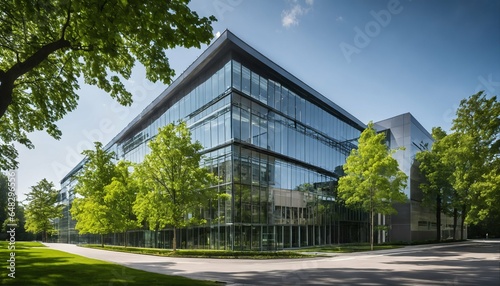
{"x":277,"y":145}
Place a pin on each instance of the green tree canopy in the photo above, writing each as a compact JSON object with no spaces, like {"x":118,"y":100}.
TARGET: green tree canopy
{"x":89,"y":208}
{"x":47,"y":46}
{"x":119,"y":197}
{"x":42,"y":208}
{"x":437,"y":189}
{"x":4,"y":190}
{"x":475,"y":153}
{"x":173,"y":183}
{"x":372,"y":181}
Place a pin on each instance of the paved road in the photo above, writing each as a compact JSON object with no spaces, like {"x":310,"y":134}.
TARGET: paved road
{"x":469,"y":263}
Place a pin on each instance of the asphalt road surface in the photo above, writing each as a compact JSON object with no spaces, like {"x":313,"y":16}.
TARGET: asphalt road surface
{"x":467,"y":263}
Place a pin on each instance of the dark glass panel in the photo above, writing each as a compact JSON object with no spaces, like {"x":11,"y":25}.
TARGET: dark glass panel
{"x":255,"y":85}
{"x":245,"y":80}
{"x":237,"y":75}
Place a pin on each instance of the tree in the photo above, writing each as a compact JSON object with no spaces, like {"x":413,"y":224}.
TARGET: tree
{"x":89,"y":209}
{"x":372,"y":178}
{"x":120,"y":196}
{"x":48,"y":46}
{"x":4,"y":190}
{"x":437,"y":189}
{"x":174,"y":184}
{"x":42,"y":208}
{"x":476,"y":157}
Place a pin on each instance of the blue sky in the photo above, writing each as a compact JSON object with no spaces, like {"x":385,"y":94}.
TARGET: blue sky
{"x":376,"y":59}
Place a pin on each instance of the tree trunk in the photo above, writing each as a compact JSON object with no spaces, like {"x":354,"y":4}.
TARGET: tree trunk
{"x":455,"y":218}
{"x":438,"y":218}
{"x":371,"y":229}
{"x":462,"y":223}
{"x":6,"y":86}
{"x":174,"y":240}
{"x":102,"y":241}
{"x":125,"y":238}
{"x":156,"y":238}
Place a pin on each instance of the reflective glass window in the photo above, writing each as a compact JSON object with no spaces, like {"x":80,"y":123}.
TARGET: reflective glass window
{"x":227,"y":126}
{"x":270,"y":93}
{"x":236,"y":123}
{"x":271,"y":132}
{"x":245,"y":125}
{"x":263,"y":90}
{"x":291,"y":104}
{"x":255,"y":85}
{"x":277,"y":96}
{"x":237,"y":75}
{"x":227,"y":76}
{"x":215,"y":87}
{"x":263,"y":133}
{"x":221,"y":84}
{"x":284,"y":100}
{"x":245,"y":80}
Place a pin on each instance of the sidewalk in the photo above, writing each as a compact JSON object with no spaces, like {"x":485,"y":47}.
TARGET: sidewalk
{"x":401,"y":266}
{"x":408,"y":248}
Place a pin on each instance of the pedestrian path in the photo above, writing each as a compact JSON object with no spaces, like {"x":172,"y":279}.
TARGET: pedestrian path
{"x":333,"y":267}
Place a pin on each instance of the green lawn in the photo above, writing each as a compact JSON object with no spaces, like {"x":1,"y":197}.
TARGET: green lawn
{"x":38,"y":265}
{"x":348,"y":248}
{"x":202,"y":253}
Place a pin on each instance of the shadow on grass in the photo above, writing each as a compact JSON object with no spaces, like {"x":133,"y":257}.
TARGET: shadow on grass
{"x":43,"y":266}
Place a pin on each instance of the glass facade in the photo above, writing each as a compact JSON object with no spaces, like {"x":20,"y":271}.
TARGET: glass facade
{"x":277,"y":148}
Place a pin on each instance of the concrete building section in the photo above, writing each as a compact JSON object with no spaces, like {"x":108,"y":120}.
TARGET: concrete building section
{"x":414,"y":221}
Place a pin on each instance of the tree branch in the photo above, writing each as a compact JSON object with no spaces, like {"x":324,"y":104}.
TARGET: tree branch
{"x":34,"y":60}
{"x":66,"y":24}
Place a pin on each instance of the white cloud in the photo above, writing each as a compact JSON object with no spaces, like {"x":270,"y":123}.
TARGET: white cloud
{"x":217,"y":35}
{"x":340,"y":19}
{"x":290,"y":17}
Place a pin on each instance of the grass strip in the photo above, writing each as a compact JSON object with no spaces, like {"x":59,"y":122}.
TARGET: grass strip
{"x":38,"y":265}
{"x":202,"y":253}
{"x":349,"y":248}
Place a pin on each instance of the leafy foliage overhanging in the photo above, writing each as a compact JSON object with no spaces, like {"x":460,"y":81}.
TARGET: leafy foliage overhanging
{"x":49,"y":47}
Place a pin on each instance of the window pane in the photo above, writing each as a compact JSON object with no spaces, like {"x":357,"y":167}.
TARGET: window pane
{"x":245,"y":126}
{"x":227,"y":76}
{"x":255,"y":86}
{"x":291,"y":104}
{"x":270,"y":93}
{"x":245,"y":84}
{"x":277,"y":96}
{"x":221,"y":85}
{"x":263,"y":90}
{"x":215,"y":84}
{"x":237,"y":75}
{"x":236,"y":123}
